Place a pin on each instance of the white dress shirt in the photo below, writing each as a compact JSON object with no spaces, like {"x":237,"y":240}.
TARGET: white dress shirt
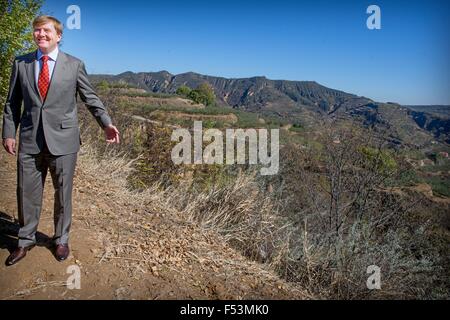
{"x":52,"y":56}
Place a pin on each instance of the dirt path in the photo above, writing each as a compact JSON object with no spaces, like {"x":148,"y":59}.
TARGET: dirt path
{"x":39,"y":275}
{"x":124,"y":251}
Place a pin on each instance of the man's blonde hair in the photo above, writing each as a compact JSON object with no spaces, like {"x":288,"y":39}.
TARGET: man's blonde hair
{"x":38,"y":21}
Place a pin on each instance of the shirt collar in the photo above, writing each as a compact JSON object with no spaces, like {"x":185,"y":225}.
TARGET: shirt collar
{"x":52,"y":55}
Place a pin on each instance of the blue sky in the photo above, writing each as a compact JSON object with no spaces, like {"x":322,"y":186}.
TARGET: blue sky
{"x":407,"y":61}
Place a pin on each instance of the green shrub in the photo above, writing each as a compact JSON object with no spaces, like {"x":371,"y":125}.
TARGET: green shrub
{"x":204,"y":94}
{"x":183,"y":90}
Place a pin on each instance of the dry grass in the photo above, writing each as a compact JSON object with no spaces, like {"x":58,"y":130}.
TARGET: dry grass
{"x":154,"y":231}
{"x":38,"y":286}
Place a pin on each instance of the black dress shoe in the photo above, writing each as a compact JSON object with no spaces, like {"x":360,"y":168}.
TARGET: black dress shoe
{"x":18,"y":254}
{"x":62,"y":252}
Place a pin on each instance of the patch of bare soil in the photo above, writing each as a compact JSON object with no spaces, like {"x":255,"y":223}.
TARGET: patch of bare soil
{"x":161,"y":102}
{"x":228,"y":118}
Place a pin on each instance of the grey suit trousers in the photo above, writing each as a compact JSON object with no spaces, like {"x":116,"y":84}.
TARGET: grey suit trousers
{"x":32,"y":171}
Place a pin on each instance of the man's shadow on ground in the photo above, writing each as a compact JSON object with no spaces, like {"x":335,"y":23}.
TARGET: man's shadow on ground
{"x":9,"y":229}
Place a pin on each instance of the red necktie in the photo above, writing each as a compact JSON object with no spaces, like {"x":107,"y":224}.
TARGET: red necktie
{"x":44,"y":78}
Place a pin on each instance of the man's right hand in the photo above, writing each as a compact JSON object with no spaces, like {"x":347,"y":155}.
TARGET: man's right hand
{"x":10,"y":145}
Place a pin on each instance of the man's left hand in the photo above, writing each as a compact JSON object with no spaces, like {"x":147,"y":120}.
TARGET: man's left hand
{"x":112,"y":134}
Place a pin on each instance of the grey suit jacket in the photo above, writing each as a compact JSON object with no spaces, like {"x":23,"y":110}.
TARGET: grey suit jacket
{"x":58,"y":112}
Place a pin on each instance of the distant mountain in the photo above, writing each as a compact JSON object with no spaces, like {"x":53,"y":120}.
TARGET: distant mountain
{"x":256,"y":93}
{"x":441,"y":111}
{"x":435,"y":119}
{"x":303,"y":102}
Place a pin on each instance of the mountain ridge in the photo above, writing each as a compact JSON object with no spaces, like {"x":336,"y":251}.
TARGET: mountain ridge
{"x":304,"y":102}
{"x":251,"y":93}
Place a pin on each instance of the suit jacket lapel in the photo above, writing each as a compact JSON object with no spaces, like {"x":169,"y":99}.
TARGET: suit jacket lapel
{"x":57,"y":75}
{"x":31,"y":72}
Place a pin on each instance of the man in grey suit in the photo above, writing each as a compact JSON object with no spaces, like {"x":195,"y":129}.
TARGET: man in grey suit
{"x":47,"y":81}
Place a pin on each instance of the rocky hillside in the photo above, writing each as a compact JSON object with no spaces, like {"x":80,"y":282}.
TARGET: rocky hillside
{"x":435,"y":119}
{"x":249,"y":93}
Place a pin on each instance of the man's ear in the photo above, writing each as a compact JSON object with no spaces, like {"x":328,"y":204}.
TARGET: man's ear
{"x":59,"y":37}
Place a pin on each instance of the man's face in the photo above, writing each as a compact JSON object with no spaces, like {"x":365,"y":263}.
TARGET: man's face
{"x":46,"y":37}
